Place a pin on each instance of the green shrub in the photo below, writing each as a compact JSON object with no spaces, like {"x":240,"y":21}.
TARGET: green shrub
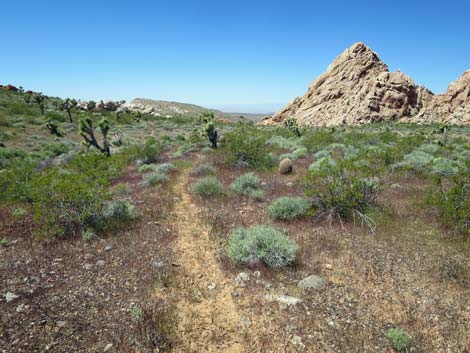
{"x":247,"y":145}
{"x":203,"y":169}
{"x":261,"y":244}
{"x":145,"y":168}
{"x":120,"y":211}
{"x":399,"y":339}
{"x":245,"y":184}
{"x":452,"y":202}
{"x":155,"y":178}
{"x":149,"y":151}
{"x":416,"y":161}
{"x":19,"y":212}
{"x":288,"y":208}
{"x":66,"y":202}
{"x":445,"y":167}
{"x":208,"y":187}
{"x":165,"y":168}
{"x":256,"y":194}
{"x":338,"y":193}
{"x":88,"y":234}
{"x":322,"y":163}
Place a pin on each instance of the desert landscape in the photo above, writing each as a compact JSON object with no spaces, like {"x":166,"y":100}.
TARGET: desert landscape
{"x":338,"y":222}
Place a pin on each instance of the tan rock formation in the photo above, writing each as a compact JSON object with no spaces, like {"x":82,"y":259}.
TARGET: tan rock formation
{"x":452,"y":107}
{"x":357,"y":88}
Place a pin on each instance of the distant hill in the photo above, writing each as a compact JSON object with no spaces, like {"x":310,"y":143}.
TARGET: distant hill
{"x":169,"y":109}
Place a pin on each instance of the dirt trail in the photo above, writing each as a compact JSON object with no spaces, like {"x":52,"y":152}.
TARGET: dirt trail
{"x":208,"y":317}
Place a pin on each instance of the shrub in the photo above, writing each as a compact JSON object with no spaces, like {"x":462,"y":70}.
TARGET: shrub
{"x":444,"y":167}
{"x":247,"y":145}
{"x":416,"y":161}
{"x":452,"y":202}
{"x":322,"y":163}
{"x":257,"y":194}
{"x":145,"y":168}
{"x":288,"y":208}
{"x":88,"y":235}
{"x":155,"y":178}
{"x":245,"y":184}
{"x":165,"y":168}
{"x":208,"y":187}
{"x":203,"y":169}
{"x":399,"y":339}
{"x":121,"y":211}
{"x":149,"y":151}
{"x":66,"y":202}
{"x":342,"y":194}
{"x":19,"y":212}
{"x":261,"y":244}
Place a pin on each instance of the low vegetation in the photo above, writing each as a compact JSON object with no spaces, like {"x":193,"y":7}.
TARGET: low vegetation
{"x":208,"y":187}
{"x":261,"y":244}
{"x":289,"y":208}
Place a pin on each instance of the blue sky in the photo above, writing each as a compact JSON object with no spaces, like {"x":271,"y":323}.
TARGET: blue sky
{"x":251,"y":56}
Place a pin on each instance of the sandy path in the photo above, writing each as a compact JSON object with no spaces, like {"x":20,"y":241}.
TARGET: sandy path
{"x":208,"y":317}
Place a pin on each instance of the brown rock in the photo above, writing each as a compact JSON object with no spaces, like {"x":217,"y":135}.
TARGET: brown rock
{"x":10,"y":88}
{"x":285,"y":166}
{"x":357,"y":88}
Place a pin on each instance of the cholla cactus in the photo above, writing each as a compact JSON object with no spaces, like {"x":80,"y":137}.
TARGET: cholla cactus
{"x":67,"y":105}
{"x":209,"y":128}
{"x":88,"y":133}
{"x":39,"y":98}
{"x":291,"y":124}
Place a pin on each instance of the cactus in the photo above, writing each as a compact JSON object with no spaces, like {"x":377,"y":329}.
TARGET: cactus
{"x":293,"y":126}
{"x":88,"y":133}
{"x":67,"y":106}
{"x":136,"y":116}
{"x":209,"y":128}
{"x":39,"y":99}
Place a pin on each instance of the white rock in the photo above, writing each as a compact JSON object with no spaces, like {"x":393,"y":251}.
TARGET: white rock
{"x":9,"y":297}
{"x":284,"y":299}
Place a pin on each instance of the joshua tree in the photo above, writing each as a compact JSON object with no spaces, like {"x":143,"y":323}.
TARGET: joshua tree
{"x":209,"y":128}
{"x":291,"y":124}
{"x":90,"y":106}
{"x":39,"y":98}
{"x":67,"y":106}
{"x":88,"y":133}
{"x":136,"y":115}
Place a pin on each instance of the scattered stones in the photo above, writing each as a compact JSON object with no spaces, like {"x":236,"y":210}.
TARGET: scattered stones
{"x":108,"y":248}
{"x":283,"y":299}
{"x":290,"y":184}
{"x":310,"y":282}
{"x":297,"y":341}
{"x":9,"y":297}
{"x":285,"y":166}
{"x":21,"y":308}
{"x":241,"y":278}
{"x":245,"y":322}
{"x":211,"y":286}
{"x":61,"y":324}
{"x":88,"y":267}
{"x":100,"y":263}
{"x":108,"y":347}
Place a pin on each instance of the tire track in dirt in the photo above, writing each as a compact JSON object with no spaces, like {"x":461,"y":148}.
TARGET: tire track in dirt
{"x":208,"y":319}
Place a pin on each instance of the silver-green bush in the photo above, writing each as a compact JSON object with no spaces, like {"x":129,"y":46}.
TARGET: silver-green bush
{"x":288,"y":208}
{"x":245,"y":184}
{"x":208,"y":187}
{"x":261,"y":244}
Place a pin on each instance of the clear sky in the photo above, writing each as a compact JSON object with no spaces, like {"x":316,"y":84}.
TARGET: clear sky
{"x":251,"y":56}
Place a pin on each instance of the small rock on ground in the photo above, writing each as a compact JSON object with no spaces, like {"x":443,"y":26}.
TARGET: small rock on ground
{"x":312,"y":281}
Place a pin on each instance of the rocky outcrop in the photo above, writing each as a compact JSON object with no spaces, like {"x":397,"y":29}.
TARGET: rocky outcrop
{"x":452,"y":107}
{"x":357,"y":88}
